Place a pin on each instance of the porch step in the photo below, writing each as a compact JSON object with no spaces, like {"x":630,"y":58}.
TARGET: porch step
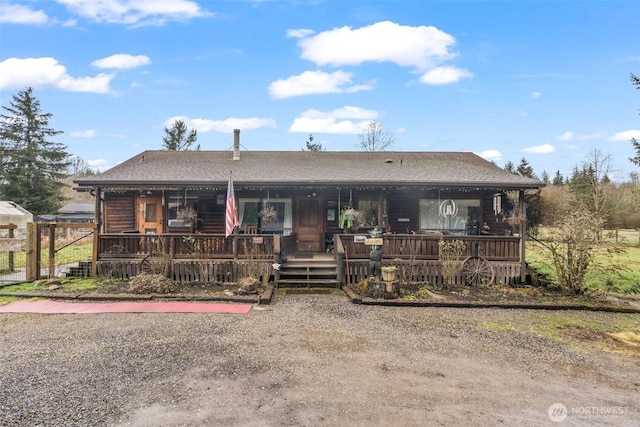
{"x":309,"y":272}
{"x":82,"y":270}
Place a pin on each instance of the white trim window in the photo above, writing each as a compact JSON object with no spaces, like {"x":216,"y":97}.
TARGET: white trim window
{"x":249,"y":214}
{"x":456,"y":216}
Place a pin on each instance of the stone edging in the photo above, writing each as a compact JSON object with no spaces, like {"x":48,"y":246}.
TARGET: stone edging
{"x":357,"y":299}
{"x":264,"y":298}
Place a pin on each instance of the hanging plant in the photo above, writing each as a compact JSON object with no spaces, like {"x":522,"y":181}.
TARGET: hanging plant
{"x":186,"y":214}
{"x":267,"y":214}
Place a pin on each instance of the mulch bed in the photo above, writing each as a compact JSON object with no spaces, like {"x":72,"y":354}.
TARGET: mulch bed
{"x":463,"y":297}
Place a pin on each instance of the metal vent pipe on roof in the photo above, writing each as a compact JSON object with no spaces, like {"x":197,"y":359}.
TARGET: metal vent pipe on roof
{"x":236,"y":144}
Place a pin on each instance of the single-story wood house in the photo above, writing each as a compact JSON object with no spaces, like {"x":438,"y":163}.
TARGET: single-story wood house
{"x":171,"y":205}
{"x":72,"y":212}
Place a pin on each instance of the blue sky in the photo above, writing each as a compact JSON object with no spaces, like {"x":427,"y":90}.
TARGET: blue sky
{"x":543,"y":80}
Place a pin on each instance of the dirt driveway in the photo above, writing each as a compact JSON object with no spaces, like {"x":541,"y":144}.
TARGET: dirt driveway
{"x":312,"y":361}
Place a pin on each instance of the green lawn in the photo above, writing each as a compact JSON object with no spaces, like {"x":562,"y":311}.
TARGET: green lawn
{"x":72,"y":253}
{"x":623,"y":281}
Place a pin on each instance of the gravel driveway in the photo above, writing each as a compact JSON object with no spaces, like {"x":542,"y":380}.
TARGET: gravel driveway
{"x":305,"y":361}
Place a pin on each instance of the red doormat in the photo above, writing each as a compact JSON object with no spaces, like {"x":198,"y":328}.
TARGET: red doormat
{"x":56,"y":307}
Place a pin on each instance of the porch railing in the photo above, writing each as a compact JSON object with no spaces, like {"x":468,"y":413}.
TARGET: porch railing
{"x":417,"y":256}
{"x":187,"y":245}
{"x":425,"y":247}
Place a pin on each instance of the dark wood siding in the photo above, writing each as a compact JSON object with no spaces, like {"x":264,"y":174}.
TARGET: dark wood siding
{"x":119,"y":213}
{"x":210,"y":216}
{"x":403,"y":205}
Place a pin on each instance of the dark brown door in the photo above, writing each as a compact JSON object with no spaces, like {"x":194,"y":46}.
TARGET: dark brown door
{"x":309,"y":226}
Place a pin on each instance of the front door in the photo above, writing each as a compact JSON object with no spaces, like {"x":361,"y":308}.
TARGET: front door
{"x":309,"y":225}
{"x":149,"y":215}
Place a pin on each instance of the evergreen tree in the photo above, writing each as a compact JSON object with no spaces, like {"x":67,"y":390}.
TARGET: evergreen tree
{"x":545,"y":177}
{"x":32,"y":168}
{"x":312,"y":146}
{"x":558,"y":179}
{"x":178,"y":138}
{"x":509,"y":167}
{"x":525,"y":169}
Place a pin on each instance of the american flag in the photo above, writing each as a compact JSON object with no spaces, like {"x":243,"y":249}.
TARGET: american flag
{"x":231,"y":216}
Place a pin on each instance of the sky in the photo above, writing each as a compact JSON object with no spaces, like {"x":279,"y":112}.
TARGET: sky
{"x":548,"y":81}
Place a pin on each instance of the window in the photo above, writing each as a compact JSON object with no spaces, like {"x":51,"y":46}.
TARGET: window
{"x":369,"y":208}
{"x":150,"y":212}
{"x":177,"y":203}
{"x":249,"y":214}
{"x":461,"y":215}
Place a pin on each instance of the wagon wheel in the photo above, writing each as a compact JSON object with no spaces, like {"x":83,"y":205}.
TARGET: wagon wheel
{"x":477,"y":270}
{"x":116,"y":249}
{"x":154,"y":264}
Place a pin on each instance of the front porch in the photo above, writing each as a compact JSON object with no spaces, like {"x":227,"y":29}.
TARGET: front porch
{"x":212,"y":258}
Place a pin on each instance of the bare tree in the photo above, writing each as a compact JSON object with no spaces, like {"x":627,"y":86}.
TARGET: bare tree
{"x":635,"y":80}
{"x":375,"y":138}
{"x":589,"y":184}
{"x":78,"y":167}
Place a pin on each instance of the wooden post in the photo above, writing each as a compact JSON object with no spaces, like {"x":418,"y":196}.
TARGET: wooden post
{"x":33,"y":252}
{"x":97,"y":219}
{"x":52,"y":251}
{"x":277,"y":249}
{"x":523,"y":233}
{"x":11,"y":258}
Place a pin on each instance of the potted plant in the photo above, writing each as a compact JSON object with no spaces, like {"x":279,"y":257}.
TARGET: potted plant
{"x":187,"y":215}
{"x":389,"y":273}
{"x":267,"y":214}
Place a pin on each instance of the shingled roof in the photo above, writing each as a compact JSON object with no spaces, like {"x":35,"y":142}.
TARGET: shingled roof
{"x":307,"y":168}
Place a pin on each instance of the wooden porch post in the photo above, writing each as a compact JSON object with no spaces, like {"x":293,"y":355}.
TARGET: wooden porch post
{"x":380,"y":214}
{"x":523,"y":231}
{"x":32,"y":264}
{"x":97,"y":219}
{"x":52,"y":250}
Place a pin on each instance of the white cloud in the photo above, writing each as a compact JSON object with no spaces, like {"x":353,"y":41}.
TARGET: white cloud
{"x":539,"y":149}
{"x":83,"y":133}
{"x":138,"y":12}
{"x":422,"y":48}
{"x":572,"y":136}
{"x":625,"y":136}
{"x":346,"y":120}
{"x":226,"y":125}
{"x":491,"y":155}
{"x":122,"y":61}
{"x":19,"y":14}
{"x":298,"y":34}
{"x":37,"y":72}
{"x":444,"y":75}
{"x":310,"y":82}
{"x":536,"y":95}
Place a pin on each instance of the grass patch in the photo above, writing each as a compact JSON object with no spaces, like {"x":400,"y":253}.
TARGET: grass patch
{"x":76,"y":252}
{"x":612,"y":332}
{"x":624,"y":281}
{"x":68,"y":284}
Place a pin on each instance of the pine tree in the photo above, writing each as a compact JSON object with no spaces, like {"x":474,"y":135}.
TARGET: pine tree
{"x":178,"y":138}
{"x":558,"y":179}
{"x":32,"y":168}
{"x":312,"y":146}
{"x":525,"y":169}
{"x":509,"y":167}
